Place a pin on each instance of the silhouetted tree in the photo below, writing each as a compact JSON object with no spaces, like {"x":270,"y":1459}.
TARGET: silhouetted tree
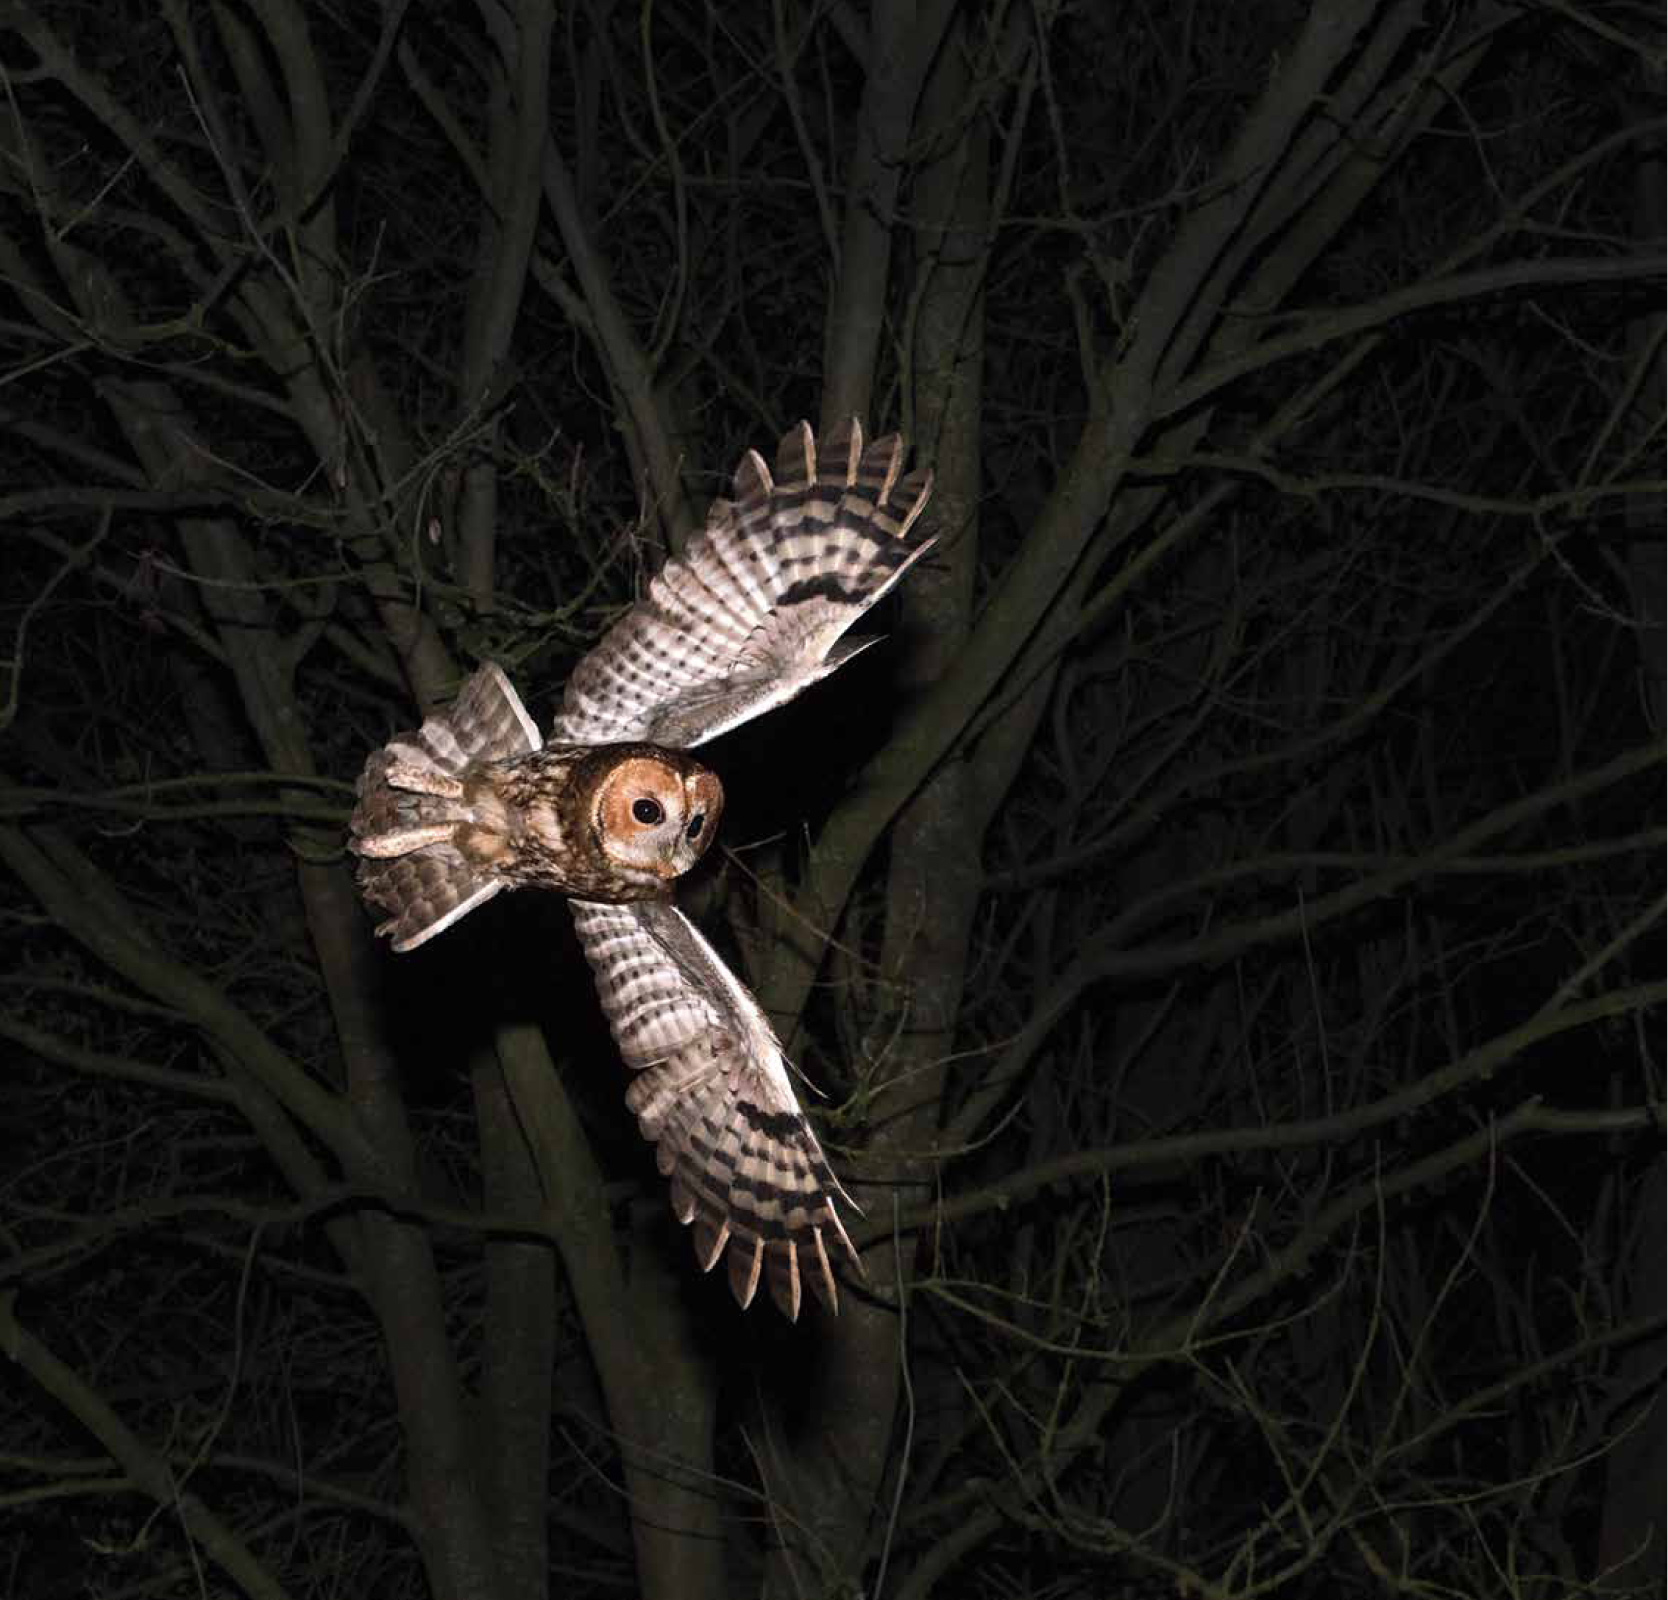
{"x":1225,"y":920}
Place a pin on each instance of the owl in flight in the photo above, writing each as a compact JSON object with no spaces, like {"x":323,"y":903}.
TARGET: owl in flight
{"x":612,"y":809}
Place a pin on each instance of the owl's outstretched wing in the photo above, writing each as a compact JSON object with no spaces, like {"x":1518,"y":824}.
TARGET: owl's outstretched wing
{"x":755,"y":610}
{"x":711,"y":1092}
{"x":408,"y":807}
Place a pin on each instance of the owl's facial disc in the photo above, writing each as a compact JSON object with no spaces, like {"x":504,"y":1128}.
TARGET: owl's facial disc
{"x":658,"y":813}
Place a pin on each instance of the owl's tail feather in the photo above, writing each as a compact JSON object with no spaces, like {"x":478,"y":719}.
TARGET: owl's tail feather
{"x":411,"y":802}
{"x":427,"y":891}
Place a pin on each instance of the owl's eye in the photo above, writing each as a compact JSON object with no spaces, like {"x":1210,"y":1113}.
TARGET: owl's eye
{"x":647,"y":811}
{"x":696,"y":823}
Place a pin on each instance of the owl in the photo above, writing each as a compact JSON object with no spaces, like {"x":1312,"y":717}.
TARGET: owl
{"x":612,"y":809}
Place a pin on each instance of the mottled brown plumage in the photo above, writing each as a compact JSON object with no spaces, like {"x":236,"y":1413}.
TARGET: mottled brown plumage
{"x":613,"y":810}
{"x":446,"y":818}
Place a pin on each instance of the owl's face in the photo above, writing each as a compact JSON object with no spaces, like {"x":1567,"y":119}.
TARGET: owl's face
{"x":656,"y":812}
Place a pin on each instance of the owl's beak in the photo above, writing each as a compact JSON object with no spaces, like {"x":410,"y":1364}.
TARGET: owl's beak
{"x":679,"y":858}
{"x":705,"y":801}
{"x":688,"y":847}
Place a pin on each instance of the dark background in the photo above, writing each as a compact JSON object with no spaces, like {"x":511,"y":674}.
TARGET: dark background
{"x":1223,"y":922}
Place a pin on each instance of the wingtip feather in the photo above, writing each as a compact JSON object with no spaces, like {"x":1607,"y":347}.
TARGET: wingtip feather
{"x":784,"y":1281}
{"x":920,"y":494}
{"x":744,"y":1273}
{"x":824,"y":1283}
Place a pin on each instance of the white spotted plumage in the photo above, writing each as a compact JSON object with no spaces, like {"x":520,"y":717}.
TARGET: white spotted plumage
{"x":753,"y":613}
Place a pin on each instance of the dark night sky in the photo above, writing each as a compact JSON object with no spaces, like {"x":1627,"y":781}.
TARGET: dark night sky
{"x":1220,"y":926}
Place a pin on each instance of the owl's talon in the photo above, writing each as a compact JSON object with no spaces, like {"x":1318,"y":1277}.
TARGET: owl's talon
{"x":403,"y":841}
{"x":425,"y":779}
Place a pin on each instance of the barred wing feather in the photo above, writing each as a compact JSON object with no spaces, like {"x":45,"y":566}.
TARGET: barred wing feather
{"x":711,"y":1092}
{"x":755,"y":611}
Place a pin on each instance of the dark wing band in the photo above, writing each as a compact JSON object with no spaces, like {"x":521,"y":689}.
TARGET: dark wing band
{"x":754,"y":611}
{"x":403,"y":822}
{"x":711,"y":1092}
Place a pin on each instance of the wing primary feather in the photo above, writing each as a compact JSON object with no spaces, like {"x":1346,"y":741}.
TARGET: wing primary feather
{"x":822,"y":1281}
{"x":849,"y":439}
{"x":784,"y":1280}
{"x":711,"y":1090}
{"x":894,"y":462}
{"x":917,"y":491}
{"x":796,"y":458}
{"x":751,"y":614}
{"x":683,"y":1202}
{"x":762,"y":483}
{"x":840,"y":1231}
{"x":710,"y":1241}
{"x":744,"y":1273}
